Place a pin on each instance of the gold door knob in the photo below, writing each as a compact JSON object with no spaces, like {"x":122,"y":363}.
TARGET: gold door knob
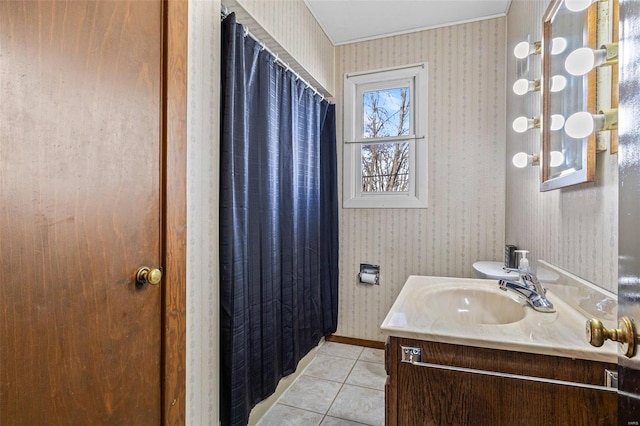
{"x":148,"y":275}
{"x":597,"y":334}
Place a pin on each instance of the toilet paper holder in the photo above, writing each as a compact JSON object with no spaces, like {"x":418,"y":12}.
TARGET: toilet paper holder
{"x":369,"y":274}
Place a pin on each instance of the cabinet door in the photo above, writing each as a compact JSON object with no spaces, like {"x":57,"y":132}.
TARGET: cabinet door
{"x":442,"y":396}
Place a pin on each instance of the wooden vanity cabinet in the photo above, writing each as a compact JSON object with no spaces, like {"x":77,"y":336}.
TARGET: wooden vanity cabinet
{"x":464,"y":385}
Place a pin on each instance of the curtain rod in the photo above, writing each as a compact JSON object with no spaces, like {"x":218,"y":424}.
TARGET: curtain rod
{"x":224,"y":12}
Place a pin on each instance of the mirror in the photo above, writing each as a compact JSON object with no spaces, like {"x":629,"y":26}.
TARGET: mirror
{"x":565,"y":160}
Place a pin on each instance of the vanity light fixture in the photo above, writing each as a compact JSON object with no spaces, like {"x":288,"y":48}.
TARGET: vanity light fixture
{"x":579,"y":5}
{"x":582,"y":124}
{"x":522,"y":160}
{"x":558,"y":83}
{"x":522,"y":124}
{"x":524,"y":49}
{"x":557,"y":122}
{"x":523,"y":86}
{"x":583,"y":60}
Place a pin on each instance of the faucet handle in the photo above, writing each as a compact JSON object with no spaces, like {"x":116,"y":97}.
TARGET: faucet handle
{"x":523,"y":275}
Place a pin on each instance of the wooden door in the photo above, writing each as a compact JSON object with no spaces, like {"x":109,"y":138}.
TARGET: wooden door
{"x":629,"y":206}
{"x":80,"y":149}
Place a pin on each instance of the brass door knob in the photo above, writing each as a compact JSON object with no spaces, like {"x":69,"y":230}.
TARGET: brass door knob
{"x":597,"y":334}
{"x":148,"y":275}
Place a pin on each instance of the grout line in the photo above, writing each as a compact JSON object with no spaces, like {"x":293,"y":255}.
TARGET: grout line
{"x":341,"y":344}
{"x":365,"y":387}
{"x":325,"y":379}
{"x":334,"y":399}
{"x":339,"y":356}
{"x":302,"y":409}
{"x":341,"y":387}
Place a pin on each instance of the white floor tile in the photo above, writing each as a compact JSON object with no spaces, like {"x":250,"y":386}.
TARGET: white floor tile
{"x":311,"y":393}
{"x":280,"y":415}
{"x":340,"y":349}
{"x":359,"y":404}
{"x":372,"y":355}
{"x":368,"y":374}
{"x":330,"y":367}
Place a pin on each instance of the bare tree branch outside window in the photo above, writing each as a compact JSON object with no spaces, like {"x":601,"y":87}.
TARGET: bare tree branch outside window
{"x":385,"y":166}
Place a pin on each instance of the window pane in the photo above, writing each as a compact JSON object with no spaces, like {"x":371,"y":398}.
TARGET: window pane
{"x":386,"y":113}
{"x":385,"y":167}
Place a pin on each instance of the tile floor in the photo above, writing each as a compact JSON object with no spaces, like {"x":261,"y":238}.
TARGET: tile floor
{"x":343,"y":385}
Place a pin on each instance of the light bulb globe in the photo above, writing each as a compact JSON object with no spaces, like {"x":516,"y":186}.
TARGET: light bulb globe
{"x":558,"y":83}
{"x":558,"y":45}
{"x":579,"y":125}
{"x":521,"y":87}
{"x":522,"y":50}
{"x":556,"y":158}
{"x":580,"y":61}
{"x":577,"y":5}
{"x":520,"y":160}
{"x":557,"y":122}
{"x":521,"y":124}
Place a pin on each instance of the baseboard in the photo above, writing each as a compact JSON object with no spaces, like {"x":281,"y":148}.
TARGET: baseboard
{"x":354,"y":341}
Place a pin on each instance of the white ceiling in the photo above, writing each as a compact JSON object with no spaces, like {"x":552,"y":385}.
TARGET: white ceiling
{"x":347,"y":21}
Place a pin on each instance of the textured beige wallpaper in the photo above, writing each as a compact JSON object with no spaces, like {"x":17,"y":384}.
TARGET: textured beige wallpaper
{"x":290,"y":30}
{"x":202,"y":212}
{"x":574,"y":228}
{"x":465,"y":218}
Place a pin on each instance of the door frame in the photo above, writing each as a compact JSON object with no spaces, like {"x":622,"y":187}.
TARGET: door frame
{"x":173,"y":165}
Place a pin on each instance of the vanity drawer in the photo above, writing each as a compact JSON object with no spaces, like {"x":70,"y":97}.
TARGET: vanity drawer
{"x":510,"y":362}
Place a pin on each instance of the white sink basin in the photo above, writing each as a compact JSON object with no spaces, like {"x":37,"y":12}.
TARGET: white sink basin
{"x":475,"y":312}
{"x":474,"y":306}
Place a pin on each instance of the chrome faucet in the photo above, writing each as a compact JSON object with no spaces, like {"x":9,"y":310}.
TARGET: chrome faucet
{"x":529,"y":286}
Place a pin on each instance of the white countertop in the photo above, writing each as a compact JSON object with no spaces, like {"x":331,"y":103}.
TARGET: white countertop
{"x":561,"y":333}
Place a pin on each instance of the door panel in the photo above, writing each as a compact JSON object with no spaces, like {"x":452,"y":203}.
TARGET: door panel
{"x":629,"y":205}
{"x":80,"y":120}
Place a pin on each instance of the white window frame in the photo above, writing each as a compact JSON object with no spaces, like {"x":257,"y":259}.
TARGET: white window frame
{"x":355,"y":84}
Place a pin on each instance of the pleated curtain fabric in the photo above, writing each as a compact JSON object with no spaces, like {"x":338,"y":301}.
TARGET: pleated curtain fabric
{"x":278,"y":223}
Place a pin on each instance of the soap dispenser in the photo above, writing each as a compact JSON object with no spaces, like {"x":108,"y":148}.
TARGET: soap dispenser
{"x":523,"y":265}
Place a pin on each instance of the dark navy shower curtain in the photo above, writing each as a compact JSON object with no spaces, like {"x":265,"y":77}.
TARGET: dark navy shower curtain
{"x":278,"y":223}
